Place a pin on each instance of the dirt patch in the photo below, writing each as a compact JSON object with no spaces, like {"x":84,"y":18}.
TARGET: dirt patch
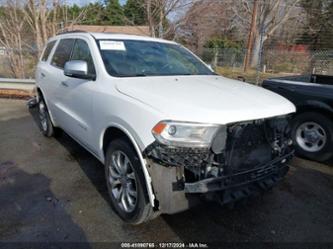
{"x":15,"y":94}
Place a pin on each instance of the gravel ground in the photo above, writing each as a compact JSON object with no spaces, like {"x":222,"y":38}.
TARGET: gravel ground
{"x":52,"y":190}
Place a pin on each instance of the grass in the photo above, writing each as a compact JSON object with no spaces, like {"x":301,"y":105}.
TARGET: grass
{"x":249,"y":76}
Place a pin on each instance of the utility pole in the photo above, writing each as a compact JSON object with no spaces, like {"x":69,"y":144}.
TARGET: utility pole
{"x":160,"y":27}
{"x":150,"y":19}
{"x":259,"y":65}
{"x":251,"y":35}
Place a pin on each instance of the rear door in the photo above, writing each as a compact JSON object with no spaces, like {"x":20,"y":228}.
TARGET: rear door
{"x":43,"y":75}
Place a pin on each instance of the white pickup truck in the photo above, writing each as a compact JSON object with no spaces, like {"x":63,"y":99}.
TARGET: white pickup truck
{"x":167,"y":128}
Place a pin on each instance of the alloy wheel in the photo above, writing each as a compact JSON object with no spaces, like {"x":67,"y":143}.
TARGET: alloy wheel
{"x":122,"y":181}
{"x":43,"y":115}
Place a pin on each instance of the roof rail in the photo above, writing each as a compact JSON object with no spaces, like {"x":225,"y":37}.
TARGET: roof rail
{"x":71,"y":31}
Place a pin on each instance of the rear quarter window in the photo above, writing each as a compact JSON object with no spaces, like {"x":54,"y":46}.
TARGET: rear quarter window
{"x":62,"y":53}
{"x":48,"y":50}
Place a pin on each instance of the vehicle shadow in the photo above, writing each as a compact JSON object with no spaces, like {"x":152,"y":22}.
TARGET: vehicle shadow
{"x":92,"y":168}
{"x":30,"y":212}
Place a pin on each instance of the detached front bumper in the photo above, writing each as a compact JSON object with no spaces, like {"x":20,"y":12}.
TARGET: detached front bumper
{"x":174,"y":194}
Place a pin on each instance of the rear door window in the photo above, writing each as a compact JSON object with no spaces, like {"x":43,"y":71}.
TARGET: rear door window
{"x":48,"y":50}
{"x":62,"y":53}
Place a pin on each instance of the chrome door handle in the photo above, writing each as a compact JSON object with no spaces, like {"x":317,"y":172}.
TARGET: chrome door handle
{"x":42,"y":75}
{"x":63,"y":83}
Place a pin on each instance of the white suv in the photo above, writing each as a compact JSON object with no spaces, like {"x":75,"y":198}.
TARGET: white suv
{"x":167,"y":128}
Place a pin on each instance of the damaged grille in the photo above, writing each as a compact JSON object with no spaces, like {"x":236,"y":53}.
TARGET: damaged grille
{"x":247,"y":147}
{"x":252,"y":144}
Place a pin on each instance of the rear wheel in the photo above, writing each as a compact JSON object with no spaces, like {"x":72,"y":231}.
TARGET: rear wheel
{"x":44,"y":119}
{"x":126,"y":185}
{"x":313,"y":136}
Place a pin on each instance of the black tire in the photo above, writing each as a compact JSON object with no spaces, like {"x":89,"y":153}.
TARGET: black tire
{"x":326,"y":152}
{"x":142,"y":211}
{"x":45,"y":122}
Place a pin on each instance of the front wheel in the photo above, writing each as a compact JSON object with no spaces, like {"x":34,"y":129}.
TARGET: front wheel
{"x":125,"y":182}
{"x":313,"y":136}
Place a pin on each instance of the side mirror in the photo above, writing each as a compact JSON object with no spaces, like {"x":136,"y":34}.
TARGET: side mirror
{"x":78,"y":69}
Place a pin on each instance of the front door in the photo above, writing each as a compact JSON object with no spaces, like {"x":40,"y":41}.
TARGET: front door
{"x":76,"y":97}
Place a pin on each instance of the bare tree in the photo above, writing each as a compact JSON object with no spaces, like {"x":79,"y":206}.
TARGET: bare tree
{"x":11,"y":36}
{"x":25,"y":27}
{"x":204,"y":20}
{"x":37,"y":15}
{"x":157,"y":12}
{"x":44,"y":21}
{"x":272,"y":14}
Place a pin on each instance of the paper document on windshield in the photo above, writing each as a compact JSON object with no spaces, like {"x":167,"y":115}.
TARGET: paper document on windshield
{"x":112,"y":45}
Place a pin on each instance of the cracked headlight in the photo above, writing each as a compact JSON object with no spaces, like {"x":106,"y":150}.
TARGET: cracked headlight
{"x":184,"y":134}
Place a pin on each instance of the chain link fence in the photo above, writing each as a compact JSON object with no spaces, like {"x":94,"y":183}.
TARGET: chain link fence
{"x":272,"y":63}
{"x":228,"y":62}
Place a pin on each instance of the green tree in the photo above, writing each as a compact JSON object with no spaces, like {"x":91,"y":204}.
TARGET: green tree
{"x":114,"y":14}
{"x":95,"y":14}
{"x":216,"y":45}
{"x":73,"y":11}
{"x":135,"y":12}
{"x":223,"y":42}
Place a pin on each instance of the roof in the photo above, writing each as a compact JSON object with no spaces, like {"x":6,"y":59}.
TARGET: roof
{"x":129,"y":30}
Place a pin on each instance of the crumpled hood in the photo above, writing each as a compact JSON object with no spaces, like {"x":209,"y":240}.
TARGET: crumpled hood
{"x":208,"y":99}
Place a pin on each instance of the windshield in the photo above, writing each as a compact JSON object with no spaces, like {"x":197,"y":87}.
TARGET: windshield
{"x":130,"y":58}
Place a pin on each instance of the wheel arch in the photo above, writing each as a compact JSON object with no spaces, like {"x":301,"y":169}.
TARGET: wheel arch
{"x":115,"y":131}
{"x":40,"y":93}
{"x":315,"y":106}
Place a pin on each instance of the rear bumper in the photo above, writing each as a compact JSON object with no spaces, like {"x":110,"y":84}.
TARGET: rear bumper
{"x":270,"y":172}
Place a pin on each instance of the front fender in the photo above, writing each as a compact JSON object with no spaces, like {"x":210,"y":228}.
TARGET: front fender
{"x":136,"y":142}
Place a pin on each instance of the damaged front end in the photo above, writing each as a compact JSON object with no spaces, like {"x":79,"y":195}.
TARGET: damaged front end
{"x":243,"y":159}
